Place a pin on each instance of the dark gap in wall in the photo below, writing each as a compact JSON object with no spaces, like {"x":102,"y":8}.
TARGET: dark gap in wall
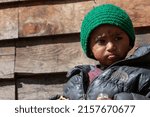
{"x":16,"y":85}
{"x":16,"y":89}
{"x":6,"y":5}
{"x":42,"y":78}
{"x":49,"y":39}
{"x":4,"y":82}
{"x":142,"y":30}
{"x":7,"y":43}
{"x":15,"y":4}
{"x":31,"y":41}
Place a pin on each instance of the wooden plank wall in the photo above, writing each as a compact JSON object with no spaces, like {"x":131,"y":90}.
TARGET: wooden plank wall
{"x":39,"y":42}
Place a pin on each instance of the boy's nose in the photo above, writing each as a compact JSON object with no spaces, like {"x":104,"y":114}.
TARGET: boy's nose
{"x":111,"y":46}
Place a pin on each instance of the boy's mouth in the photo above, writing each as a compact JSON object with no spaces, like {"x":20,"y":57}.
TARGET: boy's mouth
{"x":112,"y":56}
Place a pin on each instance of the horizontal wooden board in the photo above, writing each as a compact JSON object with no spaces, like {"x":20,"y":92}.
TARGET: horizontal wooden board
{"x":55,"y":54}
{"x":8,"y":23}
{"x":51,"y":19}
{"x":7,"y":67}
{"x":48,"y":55}
{"x":7,"y":59}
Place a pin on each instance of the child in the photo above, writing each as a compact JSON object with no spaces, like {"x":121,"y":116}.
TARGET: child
{"x":107,"y":35}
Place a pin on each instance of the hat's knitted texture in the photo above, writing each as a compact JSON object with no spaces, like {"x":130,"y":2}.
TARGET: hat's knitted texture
{"x":105,"y":14}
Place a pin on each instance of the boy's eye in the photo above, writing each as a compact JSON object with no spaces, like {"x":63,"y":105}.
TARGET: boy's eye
{"x":100,"y":40}
{"x":118,"y":38}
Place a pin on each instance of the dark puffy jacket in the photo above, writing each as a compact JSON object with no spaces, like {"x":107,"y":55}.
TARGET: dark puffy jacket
{"x":127,"y":79}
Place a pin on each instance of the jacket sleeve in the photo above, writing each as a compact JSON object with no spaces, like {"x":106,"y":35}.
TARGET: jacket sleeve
{"x":142,"y":83}
{"x":130,"y":96}
{"x":77,"y":84}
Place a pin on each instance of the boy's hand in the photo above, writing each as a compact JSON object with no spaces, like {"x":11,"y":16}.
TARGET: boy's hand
{"x":58,"y":97}
{"x":103,"y":96}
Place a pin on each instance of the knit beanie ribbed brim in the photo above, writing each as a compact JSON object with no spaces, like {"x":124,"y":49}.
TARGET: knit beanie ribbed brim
{"x":105,"y":14}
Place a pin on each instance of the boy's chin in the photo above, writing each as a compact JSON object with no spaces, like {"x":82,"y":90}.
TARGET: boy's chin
{"x":108,"y":63}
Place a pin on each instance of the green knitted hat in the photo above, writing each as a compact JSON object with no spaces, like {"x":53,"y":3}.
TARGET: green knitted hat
{"x":105,"y":14}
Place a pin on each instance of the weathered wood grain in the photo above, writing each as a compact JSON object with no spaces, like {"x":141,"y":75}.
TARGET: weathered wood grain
{"x":137,"y":9}
{"x":7,"y":59}
{"x":51,"y":19}
{"x":7,"y":90}
{"x":8,"y":23}
{"x":66,"y":18}
{"x":53,"y":54}
{"x":40,"y":87}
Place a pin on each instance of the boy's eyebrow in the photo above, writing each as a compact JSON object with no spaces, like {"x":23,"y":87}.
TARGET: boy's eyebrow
{"x":119,"y":33}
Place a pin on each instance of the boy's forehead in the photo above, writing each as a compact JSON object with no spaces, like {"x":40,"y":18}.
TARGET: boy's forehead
{"x":107,"y":29}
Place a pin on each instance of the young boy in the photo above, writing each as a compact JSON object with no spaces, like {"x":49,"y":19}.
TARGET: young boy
{"x":107,"y":35}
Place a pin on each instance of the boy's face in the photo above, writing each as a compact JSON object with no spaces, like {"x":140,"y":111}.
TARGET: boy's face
{"x":109,"y":44}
